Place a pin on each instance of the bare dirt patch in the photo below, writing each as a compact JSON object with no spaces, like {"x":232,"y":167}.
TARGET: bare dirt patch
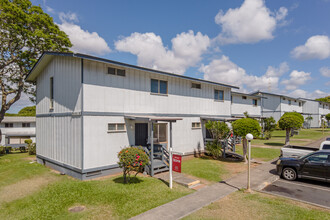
{"x":78,"y":208}
{"x":25,"y":187}
{"x":235,"y":168}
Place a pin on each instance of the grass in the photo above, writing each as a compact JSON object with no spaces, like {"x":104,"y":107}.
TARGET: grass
{"x":264,"y":154}
{"x":305,"y":136}
{"x":106,"y":198}
{"x":240,"y":205}
{"x":208,"y":169}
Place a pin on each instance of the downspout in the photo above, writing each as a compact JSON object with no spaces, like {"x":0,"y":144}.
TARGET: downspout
{"x":82,"y":117}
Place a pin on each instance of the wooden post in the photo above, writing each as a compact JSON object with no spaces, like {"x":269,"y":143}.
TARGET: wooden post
{"x":171,"y":172}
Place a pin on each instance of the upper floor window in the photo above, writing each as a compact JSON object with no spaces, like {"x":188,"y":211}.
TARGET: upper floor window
{"x":51,"y":96}
{"x":115,"y":71}
{"x":9,"y":125}
{"x":196,"y":86}
{"x":158,"y":86}
{"x":254,"y":102}
{"x":299,"y":104}
{"x":283,"y":98}
{"x":243,"y":97}
{"x":196,"y":125}
{"x":289,"y":101}
{"x":26,"y":125}
{"x":218,"y":95}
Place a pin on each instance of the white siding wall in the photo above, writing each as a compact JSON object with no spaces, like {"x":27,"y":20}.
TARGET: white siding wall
{"x":67,"y":86}
{"x":131,"y":94}
{"x":312,"y":107}
{"x":59,"y":137}
{"x":271,"y":103}
{"x":240,"y":105}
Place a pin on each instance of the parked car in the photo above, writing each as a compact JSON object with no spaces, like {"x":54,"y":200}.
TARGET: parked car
{"x":299,"y":151}
{"x":315,"y":166}
{"x":328,"y":139}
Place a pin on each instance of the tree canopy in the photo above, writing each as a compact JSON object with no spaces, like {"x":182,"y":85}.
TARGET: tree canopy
{"x":325,"y":99}
{"x":26,"y":111}
{"x":25,"y":32}
{"x":289,"y":121}
{"x":243,"y":126}
{"x":327,"y":117}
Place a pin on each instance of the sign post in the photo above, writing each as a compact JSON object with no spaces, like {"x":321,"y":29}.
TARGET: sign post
{"x":171,"y":161}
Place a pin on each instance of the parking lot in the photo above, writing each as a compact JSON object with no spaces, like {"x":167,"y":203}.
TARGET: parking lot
{"x":305,"y":190}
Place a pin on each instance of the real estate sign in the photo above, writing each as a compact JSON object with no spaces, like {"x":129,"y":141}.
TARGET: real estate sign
{"x":177,"y":160}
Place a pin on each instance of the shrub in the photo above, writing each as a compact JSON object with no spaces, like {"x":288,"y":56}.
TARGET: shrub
{"x":28,"y":141}
{"x":219,"y":131}
{"x":132,"y":159}
{"x":32,"y":149}
{"x":8,"y":149}
{"x":2,"y":150}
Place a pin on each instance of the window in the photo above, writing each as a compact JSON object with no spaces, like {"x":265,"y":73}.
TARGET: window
{"x":255,"y":102}
{"x":326,"y":147}
{"x":283,"y":98}
{"x":160,"y":133}
{"x":9,"y":125}
{"x":158,"y":86}
{"x":25,"y":125}
{"x":51,"y":96}
{"x":196,"y":125}
{"x":299,"y":104}
{"x":243,"y":97}
{"x":116,"y":127}
{"x":196,"y":86}
{"x":289,"y":101}
{"x":318,"y":158}
{"x":118,"y":72}
{"x":218,"y":95}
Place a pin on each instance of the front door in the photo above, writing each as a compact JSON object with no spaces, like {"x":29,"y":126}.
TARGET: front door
{"x":141,"y":134}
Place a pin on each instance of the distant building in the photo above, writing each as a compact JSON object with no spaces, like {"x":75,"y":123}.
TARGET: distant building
{"x":15,"y":130}
{"x":241,"y":102}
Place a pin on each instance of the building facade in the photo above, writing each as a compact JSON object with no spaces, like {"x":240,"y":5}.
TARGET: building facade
{"x":15,"y":130}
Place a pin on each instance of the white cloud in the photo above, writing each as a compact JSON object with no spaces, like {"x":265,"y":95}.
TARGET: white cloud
{"x":83,"y":41}
{"x":316,"y":47}
{"x":297,"y":78}
{"x":327,"y":83}
{"x":299,"y":93}
{"x":187,"y":49}
{"x":250,"y":23}
{"x":225,"y":71}
{"x":325,"y":71}
{"x":273,"y":71}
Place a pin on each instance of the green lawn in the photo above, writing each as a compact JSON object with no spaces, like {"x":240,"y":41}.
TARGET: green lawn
{"x":241,"y":205}
{"x":208,"y":169}
{"x":265,"y":154}
{"x":305,"y":136}
{"x":103,"y":199}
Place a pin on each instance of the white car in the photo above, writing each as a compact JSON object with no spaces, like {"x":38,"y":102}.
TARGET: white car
{"x":299,"y":151}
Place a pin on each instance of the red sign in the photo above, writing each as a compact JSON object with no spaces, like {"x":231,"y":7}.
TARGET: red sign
{"x":177,"y":160}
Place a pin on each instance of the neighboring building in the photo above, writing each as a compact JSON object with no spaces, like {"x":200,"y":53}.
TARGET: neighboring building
{"x":276,"y":105}
{"x":241,"y":102}
{"x":315,"y":109}
{"x":89,"y":108}
{"x":15,"y":130}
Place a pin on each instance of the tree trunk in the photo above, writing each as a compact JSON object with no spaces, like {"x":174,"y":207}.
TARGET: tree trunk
{"x":287,"y":136}
{"x":291,"y":132}
{"x":245,"y":149}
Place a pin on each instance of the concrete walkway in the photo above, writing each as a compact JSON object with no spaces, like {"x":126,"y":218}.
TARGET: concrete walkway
{"x":260,"y":177}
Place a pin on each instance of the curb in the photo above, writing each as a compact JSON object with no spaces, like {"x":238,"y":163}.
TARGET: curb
{"x":298,"y":200}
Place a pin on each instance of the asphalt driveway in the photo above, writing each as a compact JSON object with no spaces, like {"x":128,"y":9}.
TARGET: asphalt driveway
{"x":305,"y":190}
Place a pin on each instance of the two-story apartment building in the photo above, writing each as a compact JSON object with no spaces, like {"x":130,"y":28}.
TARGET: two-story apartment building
{"x":275,"y":105}
{"x":316,"y":110}
{"x":15,"y":130}
{"x":241,"y":102}
{"x":88,"y":108}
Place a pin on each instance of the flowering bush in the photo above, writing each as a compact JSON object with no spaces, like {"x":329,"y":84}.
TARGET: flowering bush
{"x":132,"y":159}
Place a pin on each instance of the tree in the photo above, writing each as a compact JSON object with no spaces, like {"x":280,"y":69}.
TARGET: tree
{"x":309,"y":119}
{"x":219,"y":131}
{"x":269,"y":125}
{"x":25,"y":32}
{"x":325,"y":99}
{"x":27,"y":111}
{"x":327,"y":117}
{"x":244,"y":126}
{"x":288,"y":122}
{"x":299,"y":116}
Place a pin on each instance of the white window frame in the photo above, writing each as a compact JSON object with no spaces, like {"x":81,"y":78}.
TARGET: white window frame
{"x":196,"y":125}
{"x":116,"y":127}
{"x":256,"y":104}
{"x":223,"y":95}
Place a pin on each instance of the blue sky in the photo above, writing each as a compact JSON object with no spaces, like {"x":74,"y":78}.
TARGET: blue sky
{"x":280,"y":46}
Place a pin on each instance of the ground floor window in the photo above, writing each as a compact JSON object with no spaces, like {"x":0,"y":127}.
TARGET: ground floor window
{"x":196,"y":125}
{"x":160,"y":133}
{"x":17,"y":140}
{"x":116,"y":127}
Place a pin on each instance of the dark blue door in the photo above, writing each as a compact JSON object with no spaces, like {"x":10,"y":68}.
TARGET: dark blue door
{"x":141,"y":134}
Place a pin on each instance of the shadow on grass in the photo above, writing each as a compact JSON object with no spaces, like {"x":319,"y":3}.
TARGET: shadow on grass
{"x":227,"y":159}
{"x":274,"y":144}
{"x":133,"y":180}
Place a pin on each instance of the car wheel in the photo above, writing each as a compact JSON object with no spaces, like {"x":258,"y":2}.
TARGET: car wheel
{"x":289,"y":174}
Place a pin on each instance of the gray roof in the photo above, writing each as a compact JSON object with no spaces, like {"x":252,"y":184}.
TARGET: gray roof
{"x":268,"y":93}
{"x":249,"y":95}
{"x":47,"y":56}
{"x":11,"y":119}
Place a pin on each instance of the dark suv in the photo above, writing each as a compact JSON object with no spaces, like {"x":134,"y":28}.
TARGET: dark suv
{"x":315,"y":166}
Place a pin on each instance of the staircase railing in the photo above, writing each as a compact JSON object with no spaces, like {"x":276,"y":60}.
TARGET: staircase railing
{"x":147,"y":168}
{"x":165,"y":156}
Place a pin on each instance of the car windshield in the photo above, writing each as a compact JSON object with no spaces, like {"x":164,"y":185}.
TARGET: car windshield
{"x":305,"y":156}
